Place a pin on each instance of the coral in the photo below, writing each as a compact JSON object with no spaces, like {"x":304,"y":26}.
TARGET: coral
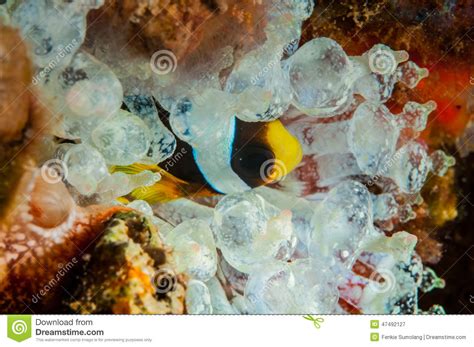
{"x":125,"y":272}
{"x":15,"y":76}
{"x":42,"y":233}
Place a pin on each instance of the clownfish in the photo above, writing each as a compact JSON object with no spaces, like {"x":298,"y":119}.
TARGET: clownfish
{"x":261,"y":153}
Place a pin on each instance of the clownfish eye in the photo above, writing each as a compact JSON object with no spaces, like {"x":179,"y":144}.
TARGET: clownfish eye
{"x":249,"y":161}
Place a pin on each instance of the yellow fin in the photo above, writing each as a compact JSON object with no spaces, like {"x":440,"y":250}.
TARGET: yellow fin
{"x":123,"y":200}
{"x":162,"y":191}
{"x":168,"y":188}
{"x":151,"y":194}
{"x":135,"y":168}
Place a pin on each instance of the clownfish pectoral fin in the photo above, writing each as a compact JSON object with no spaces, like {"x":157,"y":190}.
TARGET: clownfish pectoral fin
{"x":167,"y":188}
